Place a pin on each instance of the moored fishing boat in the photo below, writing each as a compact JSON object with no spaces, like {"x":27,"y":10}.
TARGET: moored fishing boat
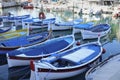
{"x":67,"y":64}
{"x":22,"y":56}
{"x":65,"y":25}
{"x":12,"y":34}
{"x":22,"y":41}
{"x":15,"y":19}
{"x":5,"y":29}
{"x":28,"y":6}
{"x":78,"y":27}
{"x":37,"y":23}
{"x":93,"y":32}
{"x":109,"y":69}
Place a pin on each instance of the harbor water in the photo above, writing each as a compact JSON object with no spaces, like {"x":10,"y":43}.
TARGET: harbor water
{"x":111,"y":42}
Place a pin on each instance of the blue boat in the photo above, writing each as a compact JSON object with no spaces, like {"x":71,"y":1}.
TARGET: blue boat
{"x":78,"y":27}
{"x":67,"y":64}
{"x":15,"y":19}
{"x":86,"y":25}
{"x":65,"y":25}
{"x":5,"y":29}
{"x":22,"y":41}
{"x":37,"y":23}
{"x":93,"y":32}
{"x":22,"y":56}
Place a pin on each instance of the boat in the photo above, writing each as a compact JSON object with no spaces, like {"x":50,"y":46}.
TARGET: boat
{"x":23,"y":55}
{"x":106,"y":70}
{"x":28,"y":6}
{"x":5,"y":29}
{"x":37,"y":23}
{"x":12,"y":34}
{"x":78,"y":27}
{"x":15,"y":19}
{"x":22,"y":41}
{"x":93,"y":32}
{"x":68,"y":63}
{"x":65,"y":25}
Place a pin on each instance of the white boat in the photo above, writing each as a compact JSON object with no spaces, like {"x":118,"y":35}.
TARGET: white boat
{"x":78,"y":27}
{"x":107,"y":70}
{"x":22,"y":56}
{"x":37,"y":23}
{"x":23,"y":41}
{"x":15,"y":19}
{"x":65,"y":25}
{"x":100,"y":29}
{"x":67,"y":64}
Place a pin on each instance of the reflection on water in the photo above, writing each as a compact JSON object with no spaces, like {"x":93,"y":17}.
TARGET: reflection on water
{"x":111,"y":42}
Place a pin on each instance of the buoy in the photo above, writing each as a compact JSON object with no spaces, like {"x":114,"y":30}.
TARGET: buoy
{"x":32,"y":67}
{"x":41,"y":15}
{"x":103,"y":51}
{"x":78,"y":43}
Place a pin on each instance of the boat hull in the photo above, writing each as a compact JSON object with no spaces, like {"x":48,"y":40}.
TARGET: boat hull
{"x":61,"y":73}
{"x":92,"y":35}
{"x":56,"y":75}
{"x":55,"y":27}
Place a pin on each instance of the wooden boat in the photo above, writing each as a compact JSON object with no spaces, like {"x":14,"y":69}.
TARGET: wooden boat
{"x":5,"y":29}
{"x":107,"y":70}
{"x":65,"y":25}
{"x":22,"y":41}
{"x":22,"y":56}
{"x":28,"y":6}
{"x":37,"y":23}
{"x":12,"y":34}
{"x":15,"y":19}
{"x":66,"y":64}
{"x":78,"y":27}
{"x":100,"y":29}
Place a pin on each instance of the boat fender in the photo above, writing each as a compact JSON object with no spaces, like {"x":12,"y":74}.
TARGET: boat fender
{"x":41,"y":15}
{"x":32,"y":67}
{"x":103,"y":51}
{"x":78,"y":43}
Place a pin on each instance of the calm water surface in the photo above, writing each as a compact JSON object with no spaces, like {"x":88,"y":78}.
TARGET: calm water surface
{"x":111,"y":42}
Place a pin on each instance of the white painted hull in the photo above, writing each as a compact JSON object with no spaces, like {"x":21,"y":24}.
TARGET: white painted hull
{"x":55,"y":75}
{"x":91,"y":35}
{"x":77,"y":30}
{"x":60,"y":75}
{"x":14,"y":62}
{"x":61,"y":27}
